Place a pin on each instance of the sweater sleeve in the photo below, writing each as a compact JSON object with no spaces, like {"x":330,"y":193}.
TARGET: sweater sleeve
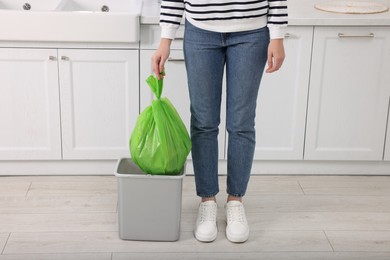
{"x":171,"y":13}
{"x":277,"y":18}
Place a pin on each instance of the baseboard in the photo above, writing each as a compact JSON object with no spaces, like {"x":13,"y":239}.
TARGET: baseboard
{"x":108,"y":167}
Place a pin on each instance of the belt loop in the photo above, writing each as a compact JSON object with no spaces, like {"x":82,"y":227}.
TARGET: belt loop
{"x":223,"y":38}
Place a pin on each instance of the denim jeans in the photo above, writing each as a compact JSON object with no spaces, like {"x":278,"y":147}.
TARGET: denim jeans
{"x":206,"y":54}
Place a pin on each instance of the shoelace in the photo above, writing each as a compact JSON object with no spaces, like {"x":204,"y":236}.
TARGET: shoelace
{"x":236,"y":213}
{"x":208,"y":213}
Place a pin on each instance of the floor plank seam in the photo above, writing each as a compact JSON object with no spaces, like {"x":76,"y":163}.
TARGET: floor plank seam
{"x":5,"y":244}
{"x":58,"y":253}
{"x":222,"y":231}
{"x":198,"y":252}
{"x":61,"y":213}
{"x":328,"y":240}
{"x":25,"y":196}
{"x":301,"y":187}
{"x":359,"y":230}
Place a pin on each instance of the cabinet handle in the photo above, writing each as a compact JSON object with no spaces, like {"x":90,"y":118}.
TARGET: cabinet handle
{"x":342,"y":35}
{"x":52,"y":58}
{"x":64,"y":58}
{"x":287,"y":35}
{"x":175,"y":59}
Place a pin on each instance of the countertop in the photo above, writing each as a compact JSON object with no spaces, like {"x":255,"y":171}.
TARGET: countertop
{"x":301,"y":12}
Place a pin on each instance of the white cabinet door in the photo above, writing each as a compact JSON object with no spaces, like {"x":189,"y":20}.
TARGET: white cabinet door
{"x":29,"y":104}
{"x":281,"y":105}
{"x":349,"y":93}
{"x":175,"y":89}
{"x":99,"y":102}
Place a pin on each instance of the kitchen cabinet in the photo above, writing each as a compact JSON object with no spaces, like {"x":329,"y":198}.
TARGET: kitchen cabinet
{"x":99,"y":102}
{"x":349,"y":93}
{"x":67,"y":103}
{"x":29,"y":104}
{"x":281,"y":106}
{"x":64,"y":105}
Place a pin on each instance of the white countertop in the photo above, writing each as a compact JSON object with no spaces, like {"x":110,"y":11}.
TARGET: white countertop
{"x":300,"y":12}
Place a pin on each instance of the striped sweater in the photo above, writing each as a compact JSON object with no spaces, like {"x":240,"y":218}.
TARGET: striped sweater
{"x":224,"y":15}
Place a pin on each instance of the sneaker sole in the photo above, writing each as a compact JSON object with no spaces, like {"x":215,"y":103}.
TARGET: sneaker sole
{"x":237,"y":239}
{"x":206,"y":238}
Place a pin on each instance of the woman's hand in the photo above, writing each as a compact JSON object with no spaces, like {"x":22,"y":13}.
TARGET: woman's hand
{"x":160,"y":56}
{"x":275,"y":55}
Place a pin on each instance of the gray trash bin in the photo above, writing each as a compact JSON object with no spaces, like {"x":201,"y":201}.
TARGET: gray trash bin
{"x":149,"y":205}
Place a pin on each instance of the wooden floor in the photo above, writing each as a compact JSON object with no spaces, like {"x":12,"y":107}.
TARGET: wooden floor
{"x":291,"y":217}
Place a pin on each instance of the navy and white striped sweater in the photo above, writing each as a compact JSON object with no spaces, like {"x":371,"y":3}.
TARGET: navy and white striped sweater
{"x":224,"y":15}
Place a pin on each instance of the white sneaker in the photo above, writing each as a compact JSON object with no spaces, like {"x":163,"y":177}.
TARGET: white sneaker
{"x":237,"y":229}
{"x":206,"y":222}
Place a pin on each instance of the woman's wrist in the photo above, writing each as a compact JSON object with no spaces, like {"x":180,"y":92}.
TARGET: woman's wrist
{"x":165,"y":42}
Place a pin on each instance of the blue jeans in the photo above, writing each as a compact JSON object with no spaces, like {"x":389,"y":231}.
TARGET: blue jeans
{"x":206,"y":54}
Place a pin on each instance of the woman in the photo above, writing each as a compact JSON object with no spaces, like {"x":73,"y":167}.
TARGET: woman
{"x":243,"y":36}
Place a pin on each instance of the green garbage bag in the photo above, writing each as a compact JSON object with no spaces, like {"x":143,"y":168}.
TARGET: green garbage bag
{"x":160,"y":142}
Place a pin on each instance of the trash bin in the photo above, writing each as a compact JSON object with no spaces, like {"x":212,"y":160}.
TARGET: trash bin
{"x":149,"y":206}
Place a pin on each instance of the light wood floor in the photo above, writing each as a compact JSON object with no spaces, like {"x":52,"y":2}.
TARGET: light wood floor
{"x":291,"y":218}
